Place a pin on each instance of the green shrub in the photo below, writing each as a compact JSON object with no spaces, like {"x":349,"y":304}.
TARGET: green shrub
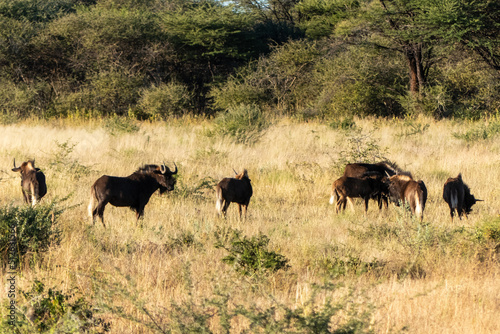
{"x":358,"y":147}
{"x":482,"y":131}
{"x":244,"y":123}
{"x":62,"y":163}
{"x":52,"y":311}
{"x":26,"y":230}
{"x":120,"y":125}
{"x":165,"y":100}
{"x":249,"y":256}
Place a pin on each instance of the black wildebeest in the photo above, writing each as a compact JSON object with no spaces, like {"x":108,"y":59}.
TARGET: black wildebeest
{"x":379,"y":169}
{"x":133,"y":191}
{"x":32,"y":181}
{"x":457,"y":194}
{"x":368,"y":187}
{"x":403,"y":189}
{"x":237,"y":190}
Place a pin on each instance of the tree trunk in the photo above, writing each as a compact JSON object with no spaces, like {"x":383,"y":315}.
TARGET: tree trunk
{"x":413,"y":53}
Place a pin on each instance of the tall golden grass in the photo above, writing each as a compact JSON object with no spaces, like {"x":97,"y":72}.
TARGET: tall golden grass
{"x":415,"y":286}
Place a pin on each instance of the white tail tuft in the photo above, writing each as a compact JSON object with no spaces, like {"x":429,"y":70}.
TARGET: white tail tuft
{"x":91,"y":205}
{"x":218,"y":203}
{"x":418,"y":206}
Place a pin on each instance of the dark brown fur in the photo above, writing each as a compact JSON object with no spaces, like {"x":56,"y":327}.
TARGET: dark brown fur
{"x":403,"y":189}
{"x":238,"y":190}
{"x":351,"y":187}
{"x":457,"y":194}
{"x":381,"y":169}
{"x":32,"y":181}
{"x":133,"y":191}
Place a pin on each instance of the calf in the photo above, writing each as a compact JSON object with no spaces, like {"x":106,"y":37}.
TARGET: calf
{"x":349,"y":187}
{"x":457,"y":194}
{"x":403,"y":189}
{"x":237,"y":190}
{"x":32,"y":181}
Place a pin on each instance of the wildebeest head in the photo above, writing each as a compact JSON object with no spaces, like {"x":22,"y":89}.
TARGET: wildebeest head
{"x":163,"y":175}
{"x":32,"y":181}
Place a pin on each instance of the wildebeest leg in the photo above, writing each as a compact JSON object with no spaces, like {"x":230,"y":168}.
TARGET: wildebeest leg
{"x":224,"y":208}
{"x":341,"y":203}
{"x":245,"y":209}
{"x":239,"y":209}
{"x":99,"y":210}
{"x":26,"y":197}
{"x":366,"y":204}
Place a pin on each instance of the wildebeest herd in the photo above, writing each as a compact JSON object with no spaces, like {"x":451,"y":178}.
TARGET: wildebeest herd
{"x":381,"y":181}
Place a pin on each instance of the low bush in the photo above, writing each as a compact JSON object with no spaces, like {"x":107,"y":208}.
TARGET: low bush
{"x":244,"y":123}
{"x":28,"y":231}
{"x":249,"y":256}
{"x":53,"y":311}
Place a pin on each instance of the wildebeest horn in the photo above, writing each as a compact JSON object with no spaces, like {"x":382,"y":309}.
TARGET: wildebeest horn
{"x":479,"y":200}
{"x":15,"y":163}
{"x":163,"y":168}
{"x":175,"y":171}
{"x":235,"y":172}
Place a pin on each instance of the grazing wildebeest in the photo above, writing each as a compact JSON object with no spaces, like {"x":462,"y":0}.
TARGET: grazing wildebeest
{"x":457,"y":194}
{"x":403,"y":189}
{"x":379,"y":169}
{"x":32,"y":181}
{"x":237,"y":190}
{"x":133,"y":191}
{"x":368,"y":187}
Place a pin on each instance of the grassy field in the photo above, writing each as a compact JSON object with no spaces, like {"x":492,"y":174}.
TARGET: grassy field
{"x":383,"y":272}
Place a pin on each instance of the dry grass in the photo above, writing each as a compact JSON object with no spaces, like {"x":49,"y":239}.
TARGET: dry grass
{"x":417,"y":285}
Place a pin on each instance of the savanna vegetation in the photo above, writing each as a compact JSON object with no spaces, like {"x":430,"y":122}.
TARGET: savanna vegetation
{"x":292,"y":266}
{"x":153,"y":59}
{"x":291,"y":90}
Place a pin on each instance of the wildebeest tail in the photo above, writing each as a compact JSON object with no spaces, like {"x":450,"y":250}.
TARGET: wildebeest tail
{"x":454,"y":198}
{"x":334,"y":196}
{"x":219,"y":200}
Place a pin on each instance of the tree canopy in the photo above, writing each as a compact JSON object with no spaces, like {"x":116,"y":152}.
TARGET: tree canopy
{"x":309,"y":58}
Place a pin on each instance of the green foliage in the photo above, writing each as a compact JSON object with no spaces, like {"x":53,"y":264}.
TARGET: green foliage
{"x":489,"y":231}
{"x":481,"y":131}
{"x":62,"y":163}
{"x":346,"y":123}
{"x":165,"y":100}
{"x":27,"y":231}
{"x":359,"y":147}
{"x":50,"y":311}
{"x":357,"y":81}
{"x":244,"y":123}
{"x":200,"y":189}
{"x":348,"y":312}
{"x":337,"y":266}
{"x":249,"y":256}
{"x":411,"y":128}
{"x":118,"y":125}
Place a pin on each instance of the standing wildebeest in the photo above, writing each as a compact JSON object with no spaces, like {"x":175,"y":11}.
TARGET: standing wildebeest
{"x":457,"y":194}
{"x":237,"y":190}
{"x":379,"y":169}
{"x":349,"y":187}
{"x":32,"y":181}
{"x":133,"y":191}
{"x":403,"y":189}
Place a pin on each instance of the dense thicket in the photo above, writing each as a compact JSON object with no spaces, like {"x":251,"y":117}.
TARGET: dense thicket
{"x":309,"y":58}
